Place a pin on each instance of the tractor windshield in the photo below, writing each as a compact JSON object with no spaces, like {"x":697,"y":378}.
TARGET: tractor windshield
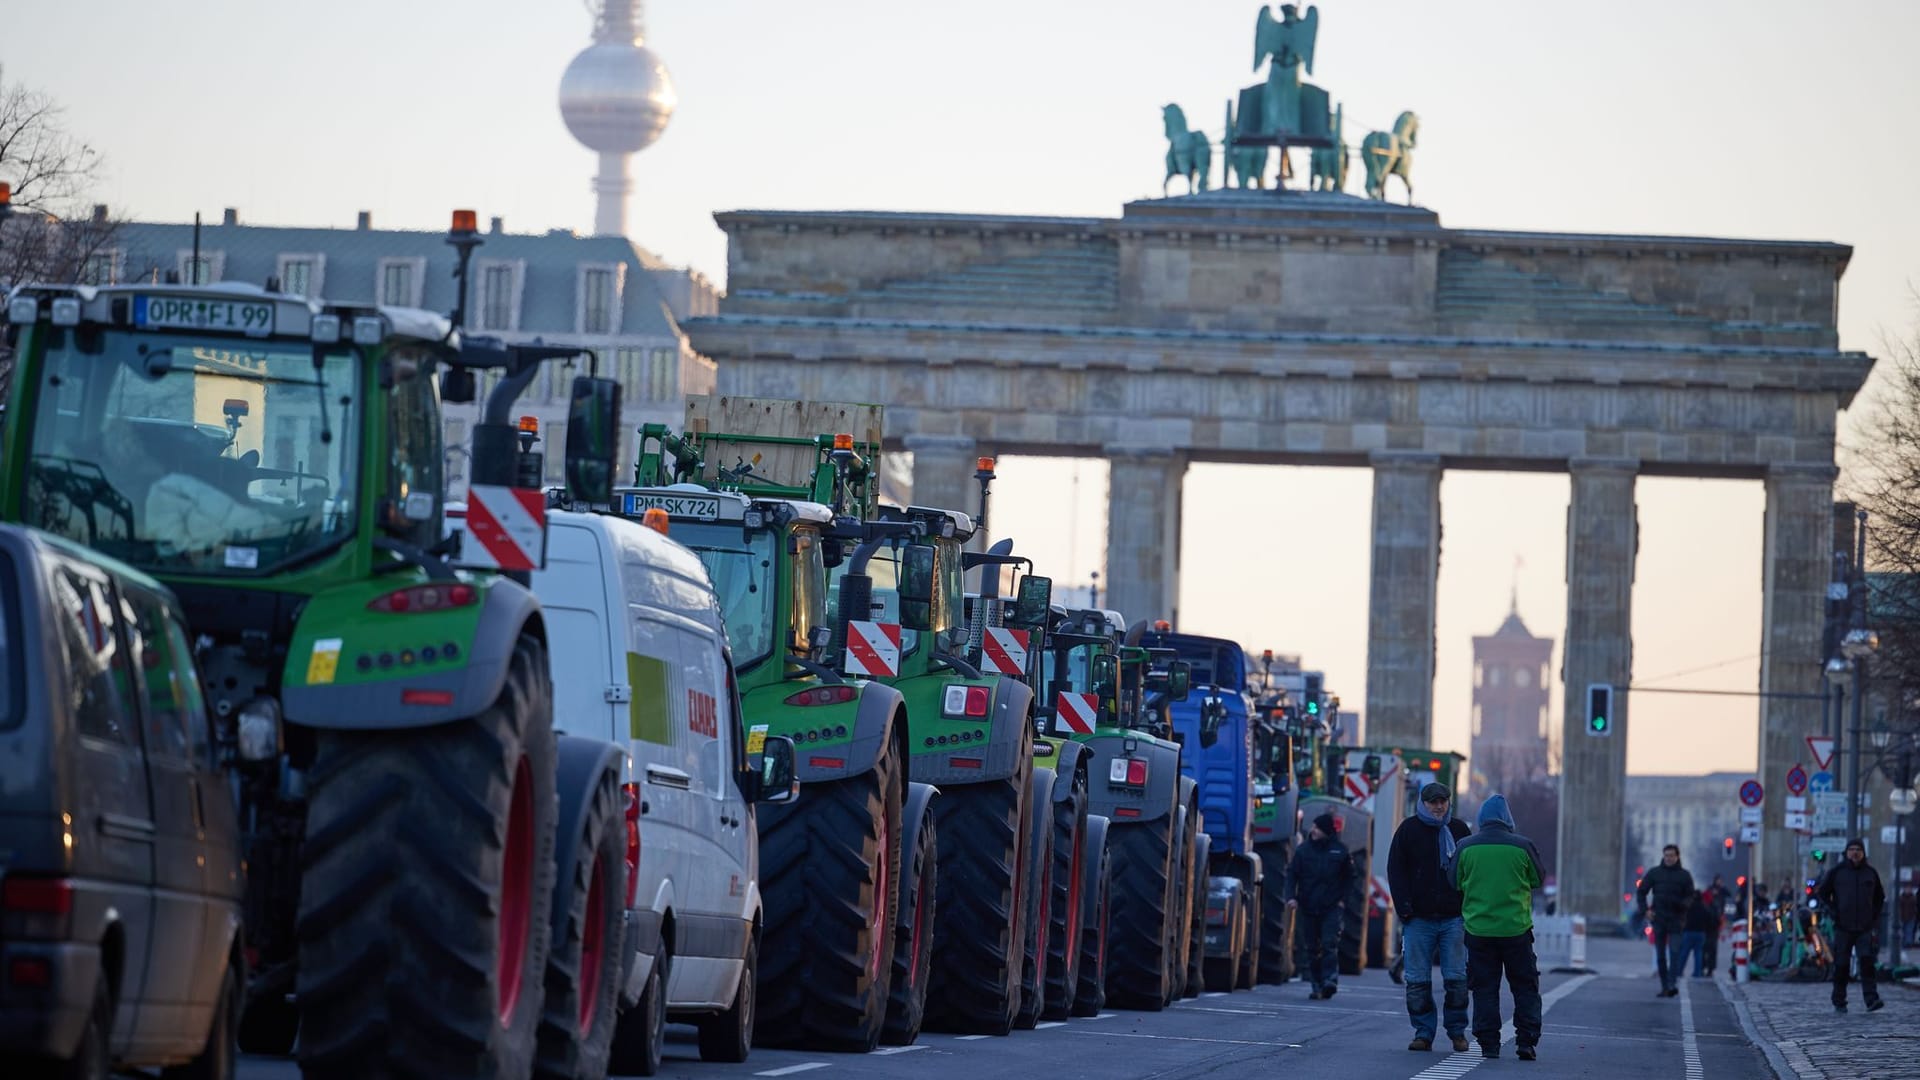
{"x":884,"y":569}
{"x":745,"y":577}
{"x":197,"y":456}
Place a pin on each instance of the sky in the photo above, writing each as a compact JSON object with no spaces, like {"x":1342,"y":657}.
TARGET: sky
{"x":1760,"y":118}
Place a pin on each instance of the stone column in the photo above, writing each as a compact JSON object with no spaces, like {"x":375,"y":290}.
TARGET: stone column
{"x":1401,"y":598}
{"x":1602,"y":540}
{"x":1143,"y":532}
{"x":1797,"y":561}
{"x":943,"y":472}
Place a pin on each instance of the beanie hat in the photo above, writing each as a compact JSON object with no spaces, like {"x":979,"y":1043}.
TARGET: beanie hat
{"x":1435,"y":792}
{"x":1325,"y":824}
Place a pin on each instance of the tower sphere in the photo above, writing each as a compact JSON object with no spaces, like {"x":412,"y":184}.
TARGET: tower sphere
{"x":616,"y":97}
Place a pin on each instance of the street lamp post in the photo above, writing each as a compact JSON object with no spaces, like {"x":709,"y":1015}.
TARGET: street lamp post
{"x":1859,"y":644}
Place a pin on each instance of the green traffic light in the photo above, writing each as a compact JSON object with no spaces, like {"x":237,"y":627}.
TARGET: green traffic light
{"x":1599,"y":723}
{"x":1313,"y":708}
{"x":1819,"y":855}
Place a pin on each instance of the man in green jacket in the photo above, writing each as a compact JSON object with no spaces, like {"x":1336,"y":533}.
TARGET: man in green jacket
{"x":1496,"y":871}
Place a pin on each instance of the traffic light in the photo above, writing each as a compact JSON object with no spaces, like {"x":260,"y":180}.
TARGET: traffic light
{"x":1315,"y":683}
{"x":1726,"y":849}
{"x":1819,"y":855}
{"x":1600,"y":709}
{"x":1740,"y":882}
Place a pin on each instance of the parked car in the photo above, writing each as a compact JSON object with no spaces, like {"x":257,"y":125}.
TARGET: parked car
{"x":120,"y":868}
{"x":640,"y":657}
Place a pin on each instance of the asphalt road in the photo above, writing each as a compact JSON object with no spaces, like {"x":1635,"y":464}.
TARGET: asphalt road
{"x":1602,"y":1025}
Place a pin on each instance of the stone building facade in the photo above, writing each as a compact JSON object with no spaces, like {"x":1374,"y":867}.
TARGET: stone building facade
{"x":1512,"y":686}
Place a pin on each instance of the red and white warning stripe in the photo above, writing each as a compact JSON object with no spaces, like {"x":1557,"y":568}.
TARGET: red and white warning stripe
{"x":1382,"y":893}
{"x":873,"y":649}
{"x":1357,"y":790}
{"x":1004,"y":652}
{"x":1077,"y":712}
{"x":507,"y":527}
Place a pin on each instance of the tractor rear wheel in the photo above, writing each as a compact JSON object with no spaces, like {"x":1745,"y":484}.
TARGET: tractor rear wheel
{"x":1069,"y":849}
{"x":1090,"y":984}
{"x":1276,"y":922}
{"x":913,"y":944}
{"x":426,"y":889}
{"x":828,"y":864}
{"x":978,"y":936}
{"x":1037,"y":911}
{"x":1195,"y":982}
{"x":1144,"y":904}
{"x":1353,"y":918}
{"x":583,"y":967}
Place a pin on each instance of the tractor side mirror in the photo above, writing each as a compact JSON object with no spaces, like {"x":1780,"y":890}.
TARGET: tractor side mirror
{"x":916,"y":587}
{"x":458,"y":386}
{"x":593,"y":438}
{"x":1213,"y":713}
{"x":1179,"y":680}
{"x":777,"y":780}
{"x":1032,"y":604}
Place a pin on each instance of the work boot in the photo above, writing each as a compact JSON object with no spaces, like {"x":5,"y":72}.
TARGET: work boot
{"x":1420,"y":1044}
{"x":1839,"y":1006}
{"x":1489,"y":1050}
{"x":1525,"y":1053}
{"x":1459,"y":1044}
{"x":1876,"y":1005}
{"x":1328,"y":991}
{"x":1315,"y":994}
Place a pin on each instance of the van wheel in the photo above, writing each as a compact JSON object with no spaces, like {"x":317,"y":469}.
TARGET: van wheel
{"x":979,"y":935}
{"x":728,"y":1036}
{"x":92,"y":1058}
{"x":1140,"y":945}
{"x":216,"y":1060}
{"x":828,"y":864}
{"x":583,"y":967}
{"x":1090,"y":991}
{"x":426,"y":891}
{"x":640,"y":1033}
{"x":913,"y":949}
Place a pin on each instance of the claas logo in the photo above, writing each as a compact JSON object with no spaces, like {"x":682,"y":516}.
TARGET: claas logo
{"x":703,"y":714}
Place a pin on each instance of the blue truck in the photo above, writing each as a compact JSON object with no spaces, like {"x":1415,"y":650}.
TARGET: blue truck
{"x":1224,"y":772}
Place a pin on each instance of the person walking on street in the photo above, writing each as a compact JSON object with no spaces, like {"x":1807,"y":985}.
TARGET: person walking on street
{"x":1693,"y":937}
{"x":1853,"y":898}
{"x":1318,"y":881}
{"x":1496,"y":870}
{"x":1908,"y":911}
{"x":1717,"y":909}
{"x":1419,"y":866}
{"x":1671,"y":890}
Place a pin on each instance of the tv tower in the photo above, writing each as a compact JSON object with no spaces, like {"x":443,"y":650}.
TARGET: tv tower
{"x":616,"y":98}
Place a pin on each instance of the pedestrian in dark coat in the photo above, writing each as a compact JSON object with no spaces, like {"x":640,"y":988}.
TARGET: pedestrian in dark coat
{"x":1853,"y":898}
{"x":1666,"y":892}
{"x":1717,"y":907}
{"x":1497,"y":871}
{"x":1693,"y":937}
{"x":1318,"y":882}
{"x":1419,"y":875}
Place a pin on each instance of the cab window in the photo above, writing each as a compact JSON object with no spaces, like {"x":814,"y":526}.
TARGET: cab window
{"x":949,"y":587}
{"x":176,"y":712}
{"x":809,"y":586}
{"x":11,"y":687}
{"x":411,"y":506}
{"x":99,"y":678}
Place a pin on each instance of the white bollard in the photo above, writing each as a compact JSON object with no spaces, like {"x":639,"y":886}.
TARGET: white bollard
{"x":1739,"y":943}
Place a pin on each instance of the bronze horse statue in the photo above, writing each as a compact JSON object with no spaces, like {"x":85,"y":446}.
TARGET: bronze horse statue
{"x":1391,"y":154}
{"x":1188,"y":152}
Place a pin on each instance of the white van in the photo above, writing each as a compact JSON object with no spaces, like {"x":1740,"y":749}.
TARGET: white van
{"x":639,"y":656}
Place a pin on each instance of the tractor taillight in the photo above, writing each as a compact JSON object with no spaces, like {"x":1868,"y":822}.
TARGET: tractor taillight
{"x":632,"y":793}
{"x":960,"y":700}
{"x":1131,"y":772}
{"x":823,"y":695}
{"x":423,"y":598}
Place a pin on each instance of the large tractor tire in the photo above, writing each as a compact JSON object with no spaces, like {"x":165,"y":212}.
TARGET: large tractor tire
{"x":1090,"y":982}
{"x":1276,"y":921}
{"x":1218,"y":972}
{"x":1248,"y":974}
{"x":978,"y":936}
{"x":1069,"y":852}
{"x":426,"y":891}
{"x":1353,"y":917}
{"x":589,"y":938}
{"x":1196,"y":982}
{"x":1037,"y":908}
{"x":913,"y":940}
{"x":828,"y":864}
{"x":1144,"y":906}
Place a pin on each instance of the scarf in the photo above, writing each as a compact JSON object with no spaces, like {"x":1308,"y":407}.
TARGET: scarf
{"x":1446,"y":835}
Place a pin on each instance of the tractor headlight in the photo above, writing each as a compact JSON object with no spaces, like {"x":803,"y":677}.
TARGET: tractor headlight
{"x":23,"y":309}
{"x":259,"y":730}
{"x":326,"y":329}
{"x":66,"y":311}
{"x":368,"y":330}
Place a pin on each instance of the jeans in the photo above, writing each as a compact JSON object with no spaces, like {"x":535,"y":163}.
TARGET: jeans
{"x":1424,"y":943}
{"x":1322,"y":930}
{"x":1865,"y":954}
{"x":1487,"y":958}
{"x":1666,"y":949}
{"x":1694,"y":943}
{"x":1711,"y":949}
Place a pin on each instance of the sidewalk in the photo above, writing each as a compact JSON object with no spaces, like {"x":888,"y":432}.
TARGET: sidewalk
{"x":1798,"y":1019}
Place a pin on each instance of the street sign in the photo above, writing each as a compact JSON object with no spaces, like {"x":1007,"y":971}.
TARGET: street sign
{"x":1820,"y":781}
{"x":1797,"y":780}
{"x":1901,"y":800}
{"x":1797,"y":820}
{"x":1892,"y":834}
{"x":1830,"y":811}
{"x":1751,"y":793}
{"x":1836,"y":590}
{"x":1831,"y":843}
{"x":1749,"y":815}
{"x":1796,"y":803}
{"x":1822,"y":748}
{"x":1749,"y":834}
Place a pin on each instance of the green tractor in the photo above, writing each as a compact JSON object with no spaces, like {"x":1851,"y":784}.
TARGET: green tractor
{"x":417,"y":835}
{"x":841,"y":916}
{"x":1111,"y":696}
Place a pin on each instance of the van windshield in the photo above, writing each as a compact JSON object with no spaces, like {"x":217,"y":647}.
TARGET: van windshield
{"x":10,"y":684}
{"x":744,"y":574}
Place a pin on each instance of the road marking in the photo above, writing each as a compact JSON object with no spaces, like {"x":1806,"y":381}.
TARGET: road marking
{"x":971,"y":1038}
{"x":1214,"y":993}
{"x":1459,"y":1064}
{"x":1099,"y":1016}
{"x":805,"y":1066}
{"x":1689,"y":1042}
{"x":1049,"y":1024}
{"x":1775,"y":1056}
{"x":886,"y":1050}
{"x":1194,"y":1039}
